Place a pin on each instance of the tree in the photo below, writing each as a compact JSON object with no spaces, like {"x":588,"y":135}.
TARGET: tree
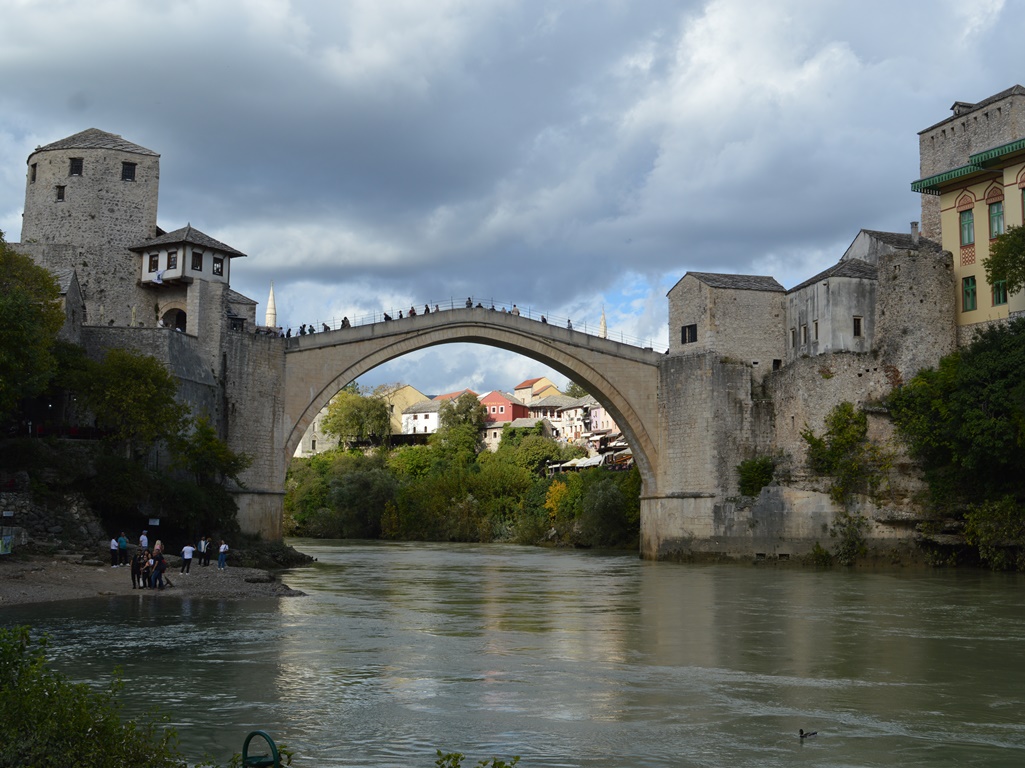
{"x":575,"y":390}
{"x":30,"y":317}
{"x":133,"y":397}
{"x":965,"y":420}
{"x":357,"y":418}
{"x":47,"y":721}
{"x":1007,"y":259}
{"x":208,"y":458}
{"x":461,"y":421}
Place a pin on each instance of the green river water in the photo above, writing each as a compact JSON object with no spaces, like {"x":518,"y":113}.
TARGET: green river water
{"x":572,"y":659}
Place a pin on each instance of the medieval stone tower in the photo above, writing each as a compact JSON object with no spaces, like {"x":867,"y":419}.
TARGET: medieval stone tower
{"x":88,"y":199}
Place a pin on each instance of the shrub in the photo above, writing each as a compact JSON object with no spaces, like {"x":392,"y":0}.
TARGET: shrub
{"x":48,"y":722}
{"x":755,"y":474}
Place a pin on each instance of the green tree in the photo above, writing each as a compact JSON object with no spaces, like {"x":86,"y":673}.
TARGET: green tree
{"x":357,"y":418}
{"x":965,"y":420}
{"x":132,"y":396}
{"x":575,"y":390}
{"x":30,"y":317}
{"x":461,"y":425}
{"x":1007,"y":259}
{"x":48,"y":722}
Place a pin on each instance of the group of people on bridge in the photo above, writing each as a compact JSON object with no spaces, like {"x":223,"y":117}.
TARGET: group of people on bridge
{"x":307,"y":330}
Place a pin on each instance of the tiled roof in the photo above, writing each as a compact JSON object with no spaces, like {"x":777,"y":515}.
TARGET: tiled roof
{"x":94,"y":138}
{"x":738,"y":282}
{"x":63,"y":278}
{"x":554,"y":401}
{"x":234,"y":297}
{"x":425,"y":406}
{"x":454,"y":395}
{"x":902,"y":241}
{"x":524,"y":422}
{"x":188,"y":235}
{"x":527,"y":383}
{"x":850,"y":268}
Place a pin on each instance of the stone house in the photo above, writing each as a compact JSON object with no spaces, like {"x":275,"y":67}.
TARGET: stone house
{"x":739,"y":317}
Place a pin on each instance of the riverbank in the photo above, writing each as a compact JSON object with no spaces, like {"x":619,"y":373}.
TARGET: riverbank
{"x":39,"y":579}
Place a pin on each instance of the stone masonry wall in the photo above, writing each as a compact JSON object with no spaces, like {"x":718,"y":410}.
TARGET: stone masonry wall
{"x":254,"y":375}
{"x":915,"y":314}
{"x":744,"y":325}
{"x":99,"y":210}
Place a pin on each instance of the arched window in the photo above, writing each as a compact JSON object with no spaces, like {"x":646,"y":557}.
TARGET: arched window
{"x":995,"y":206}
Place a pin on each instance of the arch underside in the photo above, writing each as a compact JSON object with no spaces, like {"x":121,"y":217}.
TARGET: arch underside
{"x":347,"y":361}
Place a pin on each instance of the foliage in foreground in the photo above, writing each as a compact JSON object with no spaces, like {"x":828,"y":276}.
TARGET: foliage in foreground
{"x":47,"y":721}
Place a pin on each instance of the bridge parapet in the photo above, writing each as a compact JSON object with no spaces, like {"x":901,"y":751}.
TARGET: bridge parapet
{"x":499,"y":315}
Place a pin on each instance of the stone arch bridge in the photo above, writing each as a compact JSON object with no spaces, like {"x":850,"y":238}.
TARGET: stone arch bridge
{"x":623,"y":378}
{"x":679,"y":413}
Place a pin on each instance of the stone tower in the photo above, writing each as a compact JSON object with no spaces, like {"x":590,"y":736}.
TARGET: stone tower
{"x":88,"y":199}
{"x":93,"y":189}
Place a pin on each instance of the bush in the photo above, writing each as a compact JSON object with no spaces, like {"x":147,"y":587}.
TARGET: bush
{"x":997,"y":528}
{"x":755,"y":474}
{"x":47,"y":721}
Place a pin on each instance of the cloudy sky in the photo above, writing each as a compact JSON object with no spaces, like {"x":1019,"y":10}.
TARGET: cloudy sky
{"x":370,"y":154}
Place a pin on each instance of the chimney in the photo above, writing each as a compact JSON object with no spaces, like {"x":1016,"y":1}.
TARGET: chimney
{"x":914,"y":233}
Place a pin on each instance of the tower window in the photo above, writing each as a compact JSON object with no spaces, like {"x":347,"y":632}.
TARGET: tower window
{"x":60,"y":193}
{"x":76,"y":167}
{"x":154,"y":262}
{"x":689,"y":334}
{"x":218,"y":265}
{"x":197,"y":261}
{"x":32,"y":173}
{"x":172,"y":259}
{"x":858,"y":328}
{"x":127,"y":171}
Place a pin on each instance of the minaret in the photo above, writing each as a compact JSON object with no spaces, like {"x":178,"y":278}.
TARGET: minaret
{"x":603,"y":329}
{"x":271,"y":319}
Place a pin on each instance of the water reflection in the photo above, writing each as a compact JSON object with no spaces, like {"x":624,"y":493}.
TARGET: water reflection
{"x":570,"y":658}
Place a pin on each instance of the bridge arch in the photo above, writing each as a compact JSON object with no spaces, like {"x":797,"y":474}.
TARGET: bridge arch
{"x":623,"y":378}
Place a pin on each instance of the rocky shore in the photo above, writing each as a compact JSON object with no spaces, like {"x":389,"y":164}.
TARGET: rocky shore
{"x":43,"y":579}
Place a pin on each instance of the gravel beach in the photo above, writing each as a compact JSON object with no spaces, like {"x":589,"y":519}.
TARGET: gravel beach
{"x":26,"y":580}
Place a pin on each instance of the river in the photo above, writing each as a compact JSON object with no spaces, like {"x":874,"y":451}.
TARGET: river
{"x":573,"y":659}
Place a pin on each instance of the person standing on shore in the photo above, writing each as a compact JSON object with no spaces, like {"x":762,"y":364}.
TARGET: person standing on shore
{"x":122,"y":549}
{"x":159,"y":566}
{"x":204,"y":550}
{"x":187,"y":551}
{"x":144,"y":541}
{"x":137,"y":561}
{"x":147,"y":568}
{"x":113,"y":553}
{"x":222,"y":557}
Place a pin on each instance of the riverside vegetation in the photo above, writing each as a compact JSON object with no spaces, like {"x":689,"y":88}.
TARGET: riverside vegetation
{"x":452,"y":489}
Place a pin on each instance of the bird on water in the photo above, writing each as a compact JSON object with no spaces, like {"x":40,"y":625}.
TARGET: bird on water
{"x":804,"y":735}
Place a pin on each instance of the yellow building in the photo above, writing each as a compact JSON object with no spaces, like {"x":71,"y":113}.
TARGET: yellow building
{"x":974,"y":163}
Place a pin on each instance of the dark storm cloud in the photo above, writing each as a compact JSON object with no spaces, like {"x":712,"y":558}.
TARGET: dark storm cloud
{"x":370,"y":154}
